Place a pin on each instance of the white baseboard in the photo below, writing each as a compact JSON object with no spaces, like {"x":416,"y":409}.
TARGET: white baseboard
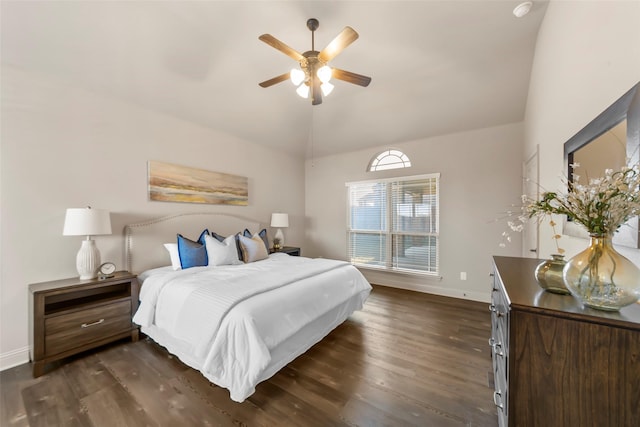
{"x":14,"y":358}
{"x":406,"y":282}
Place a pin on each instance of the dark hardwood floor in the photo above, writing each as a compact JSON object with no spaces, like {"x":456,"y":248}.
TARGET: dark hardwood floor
{"x":406,"y":359}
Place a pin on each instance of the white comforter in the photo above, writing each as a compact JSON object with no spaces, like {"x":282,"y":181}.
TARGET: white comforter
{"x":225,"y":321}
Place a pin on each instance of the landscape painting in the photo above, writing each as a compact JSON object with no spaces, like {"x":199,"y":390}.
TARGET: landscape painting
{"x":175,"y":183}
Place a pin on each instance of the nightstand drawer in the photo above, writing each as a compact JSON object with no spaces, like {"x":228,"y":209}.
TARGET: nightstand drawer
{"x":68,"y":331}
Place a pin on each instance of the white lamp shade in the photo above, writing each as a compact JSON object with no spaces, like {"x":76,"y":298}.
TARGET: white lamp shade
{"x":280,"y":220}
{"x":86,"y":222}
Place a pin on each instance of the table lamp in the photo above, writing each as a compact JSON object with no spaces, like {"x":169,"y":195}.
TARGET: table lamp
{"x":87,"y":222}
{"x":279,"y":220}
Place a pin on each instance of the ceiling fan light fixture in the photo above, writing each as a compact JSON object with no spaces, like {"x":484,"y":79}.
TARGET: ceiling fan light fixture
{"x":326,"y":88}
{"x":297,"y":76}
{"x":324,"y":73}
{"x":312,"y":78}
{"x":303,"y":91}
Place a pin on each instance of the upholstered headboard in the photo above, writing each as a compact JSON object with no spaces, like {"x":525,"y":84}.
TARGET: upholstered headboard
{"x":144,"y":241}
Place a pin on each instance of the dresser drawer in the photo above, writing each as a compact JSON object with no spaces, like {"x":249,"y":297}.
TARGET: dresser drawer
{"x":68,"y":331}
{"x":499,"y":343}
{"x":501,"y":394}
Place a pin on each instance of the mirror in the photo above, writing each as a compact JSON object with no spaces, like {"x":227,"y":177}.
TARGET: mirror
{"x":608,"y":142}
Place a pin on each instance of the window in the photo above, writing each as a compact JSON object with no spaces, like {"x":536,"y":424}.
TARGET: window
{"x":393,"y":224}
{"x":389,"y":159}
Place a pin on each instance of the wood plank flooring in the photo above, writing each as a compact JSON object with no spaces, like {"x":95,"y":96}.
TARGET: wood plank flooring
{"x":406,"y":359}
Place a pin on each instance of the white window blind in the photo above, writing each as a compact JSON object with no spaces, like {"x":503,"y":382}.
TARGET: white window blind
{"x":393,"y":224}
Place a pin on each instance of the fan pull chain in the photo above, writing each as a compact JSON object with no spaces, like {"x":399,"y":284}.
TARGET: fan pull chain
{"x":311,"y":139}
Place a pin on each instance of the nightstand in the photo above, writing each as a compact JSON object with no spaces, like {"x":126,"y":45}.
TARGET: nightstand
{"x":289,"y":250}
{"x":71,"y":315}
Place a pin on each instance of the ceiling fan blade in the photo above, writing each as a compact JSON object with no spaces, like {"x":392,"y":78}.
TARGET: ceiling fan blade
{"x":275,"y":80}
{"x":275,"y":43}
{"x":337,"y":45}
{"x":316,"y":93}
{"x":348,"y":76}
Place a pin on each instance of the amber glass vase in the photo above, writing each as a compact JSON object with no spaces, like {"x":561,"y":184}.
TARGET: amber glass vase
{"x":549,"y":275}
{"x":599,"y":277}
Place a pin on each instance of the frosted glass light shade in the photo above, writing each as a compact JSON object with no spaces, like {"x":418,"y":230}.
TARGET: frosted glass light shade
{"x":326,"y":88}
{"x":297,"y":76}
{"x":303,"y":90}
{"x":324,"y":73}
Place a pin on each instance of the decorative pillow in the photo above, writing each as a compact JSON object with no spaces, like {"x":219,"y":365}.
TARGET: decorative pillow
{"x":222,"y":253}
{"x":238,"y":249}
{"x":218,"y":237}
{"x":253,"y":249}
{"x":172,"y":248}
{"x":262,"y":234}
{"x":192,"y":254}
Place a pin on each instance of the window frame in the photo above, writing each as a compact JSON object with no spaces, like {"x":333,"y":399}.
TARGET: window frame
{"x":403,"y":163}
{"x":389,"y":231}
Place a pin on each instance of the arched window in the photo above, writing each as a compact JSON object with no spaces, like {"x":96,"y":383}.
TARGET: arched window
{"x":389,"y":159}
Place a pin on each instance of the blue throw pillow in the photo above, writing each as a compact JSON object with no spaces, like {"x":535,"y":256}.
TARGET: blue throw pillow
{"x":192,"y":254}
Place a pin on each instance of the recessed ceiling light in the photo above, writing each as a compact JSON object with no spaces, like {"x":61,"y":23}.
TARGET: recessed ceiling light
{"x":522,"y":9}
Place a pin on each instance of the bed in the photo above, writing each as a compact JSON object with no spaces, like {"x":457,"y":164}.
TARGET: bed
{"x":236,"y":324}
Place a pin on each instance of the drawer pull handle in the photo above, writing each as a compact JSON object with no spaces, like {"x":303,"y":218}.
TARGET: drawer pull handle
{"x":497,"y":349}
{"x":496,"y":346}
{"x":497,"y":397}
{"x":86,"y":325}
{"x":493,"y":309}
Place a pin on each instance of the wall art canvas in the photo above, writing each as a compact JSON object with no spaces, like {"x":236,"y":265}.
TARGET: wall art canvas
{"x":175,"y":183}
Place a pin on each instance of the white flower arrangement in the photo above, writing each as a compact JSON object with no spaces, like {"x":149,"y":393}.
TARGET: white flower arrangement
{"x":601,"y":206}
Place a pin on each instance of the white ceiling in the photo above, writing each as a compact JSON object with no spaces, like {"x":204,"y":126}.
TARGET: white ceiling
{"x":437,"y":67}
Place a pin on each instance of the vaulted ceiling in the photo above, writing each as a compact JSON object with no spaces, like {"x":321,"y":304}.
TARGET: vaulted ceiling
{"x":438,"y":67}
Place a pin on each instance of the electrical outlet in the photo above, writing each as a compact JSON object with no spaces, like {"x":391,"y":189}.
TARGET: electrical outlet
{"x":463,"y":275}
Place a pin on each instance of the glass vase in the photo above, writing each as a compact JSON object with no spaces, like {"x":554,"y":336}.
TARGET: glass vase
{"x":599,"y":277}
{"x":549,"y":275}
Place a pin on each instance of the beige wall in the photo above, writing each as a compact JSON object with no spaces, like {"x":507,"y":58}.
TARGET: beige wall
{"x":65,"y":147}
{"x":480,"y":179}
{"x":587,"y":56}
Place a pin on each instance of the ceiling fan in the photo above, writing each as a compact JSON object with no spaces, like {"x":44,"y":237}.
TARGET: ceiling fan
{"x":314,"y":73}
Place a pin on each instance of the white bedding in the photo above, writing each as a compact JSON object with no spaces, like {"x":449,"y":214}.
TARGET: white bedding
{"x":230,"y":321}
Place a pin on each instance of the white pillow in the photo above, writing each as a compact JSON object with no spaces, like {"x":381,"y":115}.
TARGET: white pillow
{"x":172,"y":248}
{"x":253,"y":249}
{"x":222,"y":253}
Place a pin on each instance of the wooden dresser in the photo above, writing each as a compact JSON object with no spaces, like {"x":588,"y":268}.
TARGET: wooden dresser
{"x":71,"y":315}
{"x":556,"y":363}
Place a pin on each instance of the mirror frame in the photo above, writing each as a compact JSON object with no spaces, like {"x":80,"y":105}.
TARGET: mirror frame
{"x":626,"y":107}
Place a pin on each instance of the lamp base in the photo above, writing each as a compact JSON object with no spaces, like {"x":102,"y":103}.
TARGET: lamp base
{"x":280,"y":236}
{"x":88,"y":260}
